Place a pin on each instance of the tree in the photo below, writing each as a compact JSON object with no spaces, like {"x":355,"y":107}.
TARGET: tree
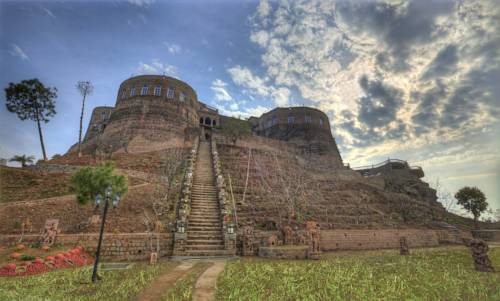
{"x":31,"y":100}
{"x":85,"y":89}
{"x":23,"y":159}
{"x":91,"y":181}
{"x":473,"y":200}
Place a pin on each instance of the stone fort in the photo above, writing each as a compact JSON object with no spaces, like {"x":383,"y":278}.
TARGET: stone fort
{"x":154,"y":112}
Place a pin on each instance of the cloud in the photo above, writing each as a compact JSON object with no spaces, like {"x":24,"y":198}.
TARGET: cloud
{"x":220,"y":90}
{"x":256,"y":85}
{"x":173,"y":48}
{"x":142,"y":3}
{"x":48,"y":12}
{"x":403,"y":70}
{"x":157,"y":67}
{"x":234,"y":111}
{"x":17,"y":51}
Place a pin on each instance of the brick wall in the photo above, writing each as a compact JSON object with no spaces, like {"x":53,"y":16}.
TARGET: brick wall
{"x":487,"y":235}
{"x":126,"y":246}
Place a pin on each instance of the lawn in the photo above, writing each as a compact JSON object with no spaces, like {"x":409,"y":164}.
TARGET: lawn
{"x":427,"y":274}
{"x":75,"y":284}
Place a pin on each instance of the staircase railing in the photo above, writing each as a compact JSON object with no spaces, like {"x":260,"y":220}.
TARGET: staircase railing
{"x":228,"y":226}
{"x":184,"y":206}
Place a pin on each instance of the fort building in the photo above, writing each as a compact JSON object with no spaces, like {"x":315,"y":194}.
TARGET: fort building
{"x":154,"y":112}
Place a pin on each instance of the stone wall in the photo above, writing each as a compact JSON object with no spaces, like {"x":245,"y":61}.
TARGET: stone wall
{"x":126,"y":246}
{"x":487,"y":235}
{"x":332,"y":240}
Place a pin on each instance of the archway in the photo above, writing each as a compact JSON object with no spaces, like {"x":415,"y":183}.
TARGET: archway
{"x":214,"y":123}
{"x":201,"y":120}
{"x":208,"y":121}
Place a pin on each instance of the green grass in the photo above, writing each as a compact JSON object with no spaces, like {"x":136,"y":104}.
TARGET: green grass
{"x":183,"y":289}
{"x":75,"y":284}
{"x":427,"y":274}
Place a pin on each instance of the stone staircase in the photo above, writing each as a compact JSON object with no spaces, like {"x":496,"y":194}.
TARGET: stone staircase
{"x":204,"y":231}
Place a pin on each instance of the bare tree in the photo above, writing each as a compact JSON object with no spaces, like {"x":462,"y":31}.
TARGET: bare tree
{"x":85,"y":88}
{"x":285,"y":185}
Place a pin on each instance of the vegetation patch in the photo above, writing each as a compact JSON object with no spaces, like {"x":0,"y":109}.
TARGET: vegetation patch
{"x":75,"y":284}
{"x":426,"y":274}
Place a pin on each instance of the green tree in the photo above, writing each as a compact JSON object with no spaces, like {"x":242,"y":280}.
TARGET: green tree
{"x":91,"y":181}
{"x":23,"y":159}
{"x":85,"y":88}
{"x":473,"y":200}
{"x":235,"y":129}
{"x":31,"y":100}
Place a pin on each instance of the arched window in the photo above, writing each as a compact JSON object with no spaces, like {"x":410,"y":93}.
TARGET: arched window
{"x":201,"y":120}
{"x":208,"y":121}
{"x":144,"y":90}
{"x":158,"y":90}
{"x":275,"y":120}
{"x":124,"y":93}
{"x":308,"y":119}
{"x":170,"y":93}
{"x":182,"y":96}
{"x":321,"y":121}
{"x":214,"y":123}
{"x":291,"y":119}
{"x":132,"y":91}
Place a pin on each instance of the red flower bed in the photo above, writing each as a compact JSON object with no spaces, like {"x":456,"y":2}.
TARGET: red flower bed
{"x":74,"y":258}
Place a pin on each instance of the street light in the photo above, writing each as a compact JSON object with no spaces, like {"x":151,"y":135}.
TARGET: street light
{"x":108,"y":192}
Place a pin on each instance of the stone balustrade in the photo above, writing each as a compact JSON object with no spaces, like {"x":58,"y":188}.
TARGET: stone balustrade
{"x":184,"y":206}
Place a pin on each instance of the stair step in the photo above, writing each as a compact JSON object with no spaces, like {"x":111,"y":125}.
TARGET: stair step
{"x":213,"y":242}
{"x":204,"y":247}
{"x":209,"y":252}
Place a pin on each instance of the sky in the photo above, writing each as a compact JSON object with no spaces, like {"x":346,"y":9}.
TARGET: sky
{"x":414,"y":80}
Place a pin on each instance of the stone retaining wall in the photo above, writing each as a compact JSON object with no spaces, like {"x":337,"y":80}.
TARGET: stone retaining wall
{"x":126,"y":246}
{"x":487,"y":235}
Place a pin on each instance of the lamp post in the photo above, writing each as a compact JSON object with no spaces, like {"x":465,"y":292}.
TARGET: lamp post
{"x":108,"y":192}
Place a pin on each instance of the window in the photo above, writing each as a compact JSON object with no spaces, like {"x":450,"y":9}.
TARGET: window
{"x":308,"y":119}
{"x":291,"y":119}
{"x":124,"y":93}
{"x":182,"y":97}
{"x":104,"y":115}
{"x":157,"y":90}
{"x":132,"y":91}
{"x":321,"y":121}
{"x":144,"y":90}
{"x":269,"y":123}
{"x":275,"y":120}
{"x":170,"y":93}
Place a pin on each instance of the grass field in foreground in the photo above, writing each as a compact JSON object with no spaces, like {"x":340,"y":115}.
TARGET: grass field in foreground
{"x":75,"y":284}
{"x":427,"y":274}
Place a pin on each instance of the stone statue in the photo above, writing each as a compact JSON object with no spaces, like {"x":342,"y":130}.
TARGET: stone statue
{"x":272,"y":241}
{"x":153,"y":259}
{"x":287,"y":235}
{"x":403,"y":246}
{"x":312,"y":230}
{"x":479,"y":250}
{"x":50,"y":232}
{"x":248,"y":239}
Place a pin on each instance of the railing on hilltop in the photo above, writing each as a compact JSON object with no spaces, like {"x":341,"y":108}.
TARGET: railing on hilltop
{"x":387,"y":164}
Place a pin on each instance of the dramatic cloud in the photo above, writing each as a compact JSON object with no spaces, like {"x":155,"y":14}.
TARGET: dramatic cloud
{"x":389,"y":73}
{"x":258,"y":86}
{"x":17,"y":51}
{"x":157,"y":67}
{"x":220,"y":89}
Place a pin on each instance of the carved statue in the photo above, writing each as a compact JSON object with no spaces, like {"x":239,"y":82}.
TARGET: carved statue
{"x":403,"y":246}
{"x":287,"y":235}
{"x":479,"y":250}
{"x":312,"y":230}
{"x":248,"y":239}
{"x":272,"y":240}
{"x":153,"y":259}
{"x":50,"y":232}
{"x":300,"y":239}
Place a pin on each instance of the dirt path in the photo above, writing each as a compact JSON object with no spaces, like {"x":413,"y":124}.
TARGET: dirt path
{"x":164,"y":282}
{"x":204,"y":289}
